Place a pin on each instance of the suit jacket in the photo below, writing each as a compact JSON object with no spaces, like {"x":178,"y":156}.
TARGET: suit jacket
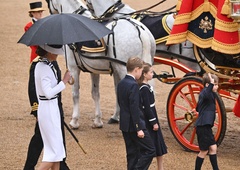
{"x":128,"y":96}
{"x":206,"y":107}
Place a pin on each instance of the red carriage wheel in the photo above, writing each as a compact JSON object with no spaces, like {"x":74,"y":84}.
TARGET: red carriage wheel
{"x":181,"y":113}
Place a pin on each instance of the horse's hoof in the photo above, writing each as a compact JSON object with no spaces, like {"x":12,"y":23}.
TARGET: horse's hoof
{"x":112,"y":121}
{"x":74,"y":125}
{"x":94,"y":126}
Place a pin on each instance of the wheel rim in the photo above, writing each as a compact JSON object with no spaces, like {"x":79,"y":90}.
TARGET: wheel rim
{"x":182,"y":115}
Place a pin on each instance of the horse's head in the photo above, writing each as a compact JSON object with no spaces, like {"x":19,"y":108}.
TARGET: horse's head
{"x":109,"y":8}
{"x":68,"y":6}
{"x":98,"y":7}
{"x":53,"y":7}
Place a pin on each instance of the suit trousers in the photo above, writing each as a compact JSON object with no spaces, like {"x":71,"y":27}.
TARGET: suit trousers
{"x":34,"y":149}
{"x":140,"y":151}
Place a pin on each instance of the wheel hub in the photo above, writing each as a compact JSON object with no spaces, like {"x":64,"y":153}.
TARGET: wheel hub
{"x":189,"y":116}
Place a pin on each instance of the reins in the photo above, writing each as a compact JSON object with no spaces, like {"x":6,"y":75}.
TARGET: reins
{"x":107,"y":15}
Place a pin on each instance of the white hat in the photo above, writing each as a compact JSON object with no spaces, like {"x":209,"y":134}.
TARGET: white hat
{"x":53,"y":49}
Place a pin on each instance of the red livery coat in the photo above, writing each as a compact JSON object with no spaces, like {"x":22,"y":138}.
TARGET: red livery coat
{"x":33,"y":48}
{"x":206,"y":23}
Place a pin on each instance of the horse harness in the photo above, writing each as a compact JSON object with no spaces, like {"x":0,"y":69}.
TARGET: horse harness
{"x":81,"y":54}
{"x":80,"y":10}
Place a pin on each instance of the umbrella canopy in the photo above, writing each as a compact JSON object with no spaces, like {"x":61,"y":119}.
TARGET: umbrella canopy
{"x":63,"y":29}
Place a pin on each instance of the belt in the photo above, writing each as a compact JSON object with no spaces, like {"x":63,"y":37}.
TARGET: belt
{"x":44,"y":97}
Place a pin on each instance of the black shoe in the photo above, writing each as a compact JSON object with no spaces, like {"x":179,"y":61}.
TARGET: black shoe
{"x":63,"y":166}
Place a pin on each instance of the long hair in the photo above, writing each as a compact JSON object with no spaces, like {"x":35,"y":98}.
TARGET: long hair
{"x":146,"y":68}
{"x":41,"y":52}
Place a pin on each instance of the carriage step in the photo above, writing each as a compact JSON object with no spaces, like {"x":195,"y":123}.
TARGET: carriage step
{"x":164,"y":75}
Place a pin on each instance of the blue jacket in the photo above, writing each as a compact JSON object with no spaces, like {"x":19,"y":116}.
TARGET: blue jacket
{"x":128,"y":96}
{"x":206,"y":107}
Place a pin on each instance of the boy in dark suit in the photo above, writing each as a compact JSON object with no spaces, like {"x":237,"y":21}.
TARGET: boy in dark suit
{"x":139,"y":146}
{"x":206,"y":108}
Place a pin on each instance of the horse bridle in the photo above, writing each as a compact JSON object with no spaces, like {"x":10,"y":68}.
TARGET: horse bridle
{"x":80,"y":10}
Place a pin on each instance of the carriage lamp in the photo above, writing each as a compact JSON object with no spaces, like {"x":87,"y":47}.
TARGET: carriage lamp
{"x":235,"y":10}
{"x":235,"y":13}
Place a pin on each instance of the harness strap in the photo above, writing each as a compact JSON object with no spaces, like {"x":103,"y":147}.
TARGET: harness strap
{"x":110,"y":11}
{"x":80,"y":10}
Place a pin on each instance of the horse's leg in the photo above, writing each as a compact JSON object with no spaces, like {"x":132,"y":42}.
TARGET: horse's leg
{"x":75,"y":94}
{"x":117,"y":76}
{"x":96,"y":97}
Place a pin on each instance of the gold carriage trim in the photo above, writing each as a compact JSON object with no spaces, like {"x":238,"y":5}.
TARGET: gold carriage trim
{"x":95,"y":49}
{"x":205,"y":67}
{"x":166,"y":28}
{"x":164,"y":23}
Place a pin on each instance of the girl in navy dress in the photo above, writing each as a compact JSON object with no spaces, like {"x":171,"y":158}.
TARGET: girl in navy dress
{"x":151,"y":118}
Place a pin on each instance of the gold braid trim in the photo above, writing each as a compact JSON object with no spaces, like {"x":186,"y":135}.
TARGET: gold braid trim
{"x":188,"y":17}
{"x":225,"y":48}
{"x":164,"y":23}
{"x":160,"y":40}
{"x":35,"y":106}
{"x":166,"y":28}
{"x":226,"y":26}
{"x":226,"y":8}
{"x":203,"y":43}
{"x":178,"y":6}
{"x":182,"y":18}
{"x":177,"y":38}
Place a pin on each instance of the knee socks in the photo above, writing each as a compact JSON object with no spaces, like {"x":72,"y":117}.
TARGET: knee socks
{"x":213,"y":160}
{"x":199,"y":162}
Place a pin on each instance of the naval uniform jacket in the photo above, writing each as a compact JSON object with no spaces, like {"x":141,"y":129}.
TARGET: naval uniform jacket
{"x":206,"y":107}
{"x":33,"y":48}
{"x":32,"y":89}
{"x":128,"y":95}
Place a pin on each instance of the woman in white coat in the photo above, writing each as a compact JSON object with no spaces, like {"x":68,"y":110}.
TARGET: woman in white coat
{"x":47,"y":87}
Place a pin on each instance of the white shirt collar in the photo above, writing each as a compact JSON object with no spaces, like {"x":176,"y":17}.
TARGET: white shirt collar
{"x":131,"y":76}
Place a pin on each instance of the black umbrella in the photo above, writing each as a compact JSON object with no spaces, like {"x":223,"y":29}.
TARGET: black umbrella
{"x":63,"y":29}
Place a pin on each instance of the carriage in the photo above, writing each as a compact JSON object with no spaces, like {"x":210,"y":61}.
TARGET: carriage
{"x":182,"y":99}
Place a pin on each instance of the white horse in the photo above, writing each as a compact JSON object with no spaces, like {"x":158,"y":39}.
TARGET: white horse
{"x":115,"y":9}
{"x":130,"y":38}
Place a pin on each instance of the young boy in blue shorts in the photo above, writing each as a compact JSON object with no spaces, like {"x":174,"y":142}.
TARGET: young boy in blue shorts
{"x":206,"y":109}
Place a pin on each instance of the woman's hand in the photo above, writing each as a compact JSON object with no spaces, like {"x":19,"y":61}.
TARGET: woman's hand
{"x":155,"y":127}
{"x":140,"y":134}
{"x":67,"y":76}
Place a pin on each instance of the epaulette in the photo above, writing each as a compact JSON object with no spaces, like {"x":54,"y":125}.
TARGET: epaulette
{"x":45,"y":60}
{"x":36,"y":59}
{"x":34,"y":106}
